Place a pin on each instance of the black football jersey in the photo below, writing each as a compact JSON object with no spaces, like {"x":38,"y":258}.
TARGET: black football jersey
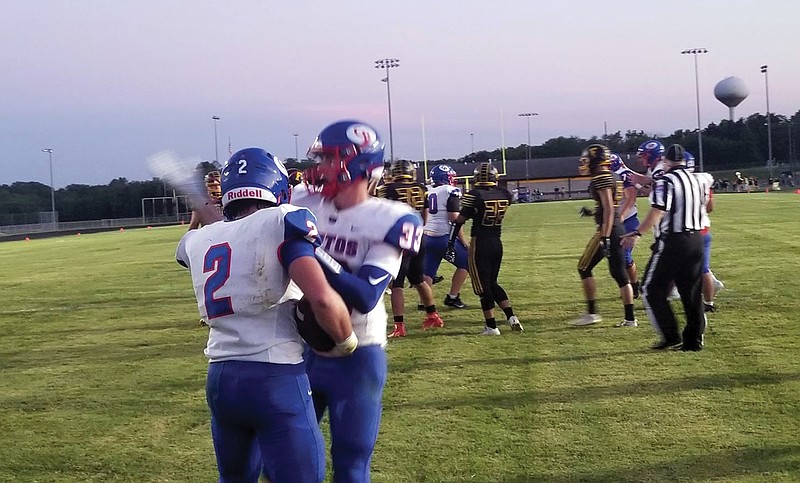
{"x":602,"y":181}
{"x":411,"y":193}
{"x":487,"y":207}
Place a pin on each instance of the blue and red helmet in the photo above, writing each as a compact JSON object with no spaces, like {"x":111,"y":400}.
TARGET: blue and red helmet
{"x":352,"y":145}
{"x":650,"y":152}
{"x":254,"y":174}
{"x":443,"y":174}
{"x":688,"y":158}
{"x":617,"y":164}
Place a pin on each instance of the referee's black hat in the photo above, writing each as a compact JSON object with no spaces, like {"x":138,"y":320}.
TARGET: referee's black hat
{"x":675,"y":153}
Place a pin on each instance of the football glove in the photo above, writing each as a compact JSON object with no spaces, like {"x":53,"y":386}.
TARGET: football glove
{"x":605,"y":246}
{"x":450,"y":253}
{"x":584,"y":212}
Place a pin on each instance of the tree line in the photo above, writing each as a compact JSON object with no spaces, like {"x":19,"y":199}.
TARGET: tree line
{"x":726,"y":145}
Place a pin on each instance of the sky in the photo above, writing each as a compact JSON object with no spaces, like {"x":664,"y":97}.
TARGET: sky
{"x":106,"y":84}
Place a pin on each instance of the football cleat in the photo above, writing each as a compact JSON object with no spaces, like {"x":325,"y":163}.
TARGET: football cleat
{"x":665,"y":344}
{"x":490,"y":331}
{"x":432,"y":321}
{"x":454,"y":302}
{"x":515,"y":324}
{"x":437,"y":279}
{"x":674,"y":295}
{"x":399,"y":331}
{"x":586,"y":319}
{"x":628,"y":323}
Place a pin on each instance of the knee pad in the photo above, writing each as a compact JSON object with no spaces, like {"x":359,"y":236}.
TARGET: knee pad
{"x":584,"y":274}
{"x":487,"y":302}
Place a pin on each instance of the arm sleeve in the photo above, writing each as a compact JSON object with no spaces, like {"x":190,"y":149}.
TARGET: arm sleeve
{"x":454,"y":202}
{"x":361,"y":291}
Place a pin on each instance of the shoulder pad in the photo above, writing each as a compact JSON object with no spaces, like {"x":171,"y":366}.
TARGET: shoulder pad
{"x":406,"y":233}
{"x":300,"y":223}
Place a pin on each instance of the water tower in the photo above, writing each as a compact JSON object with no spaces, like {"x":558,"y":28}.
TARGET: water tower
{"x":731,"y":91}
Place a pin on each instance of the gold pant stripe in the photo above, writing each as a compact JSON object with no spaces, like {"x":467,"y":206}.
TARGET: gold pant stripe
{"x":472,"y":268}
{"x":589,"y":252}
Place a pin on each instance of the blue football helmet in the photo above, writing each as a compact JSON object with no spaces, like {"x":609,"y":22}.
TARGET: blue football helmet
{"x":353,"y":146}
{"x":442,"y":175}
{"x":254,"y":174}
{"x":689,"y":160}
{"x":650,"y":152}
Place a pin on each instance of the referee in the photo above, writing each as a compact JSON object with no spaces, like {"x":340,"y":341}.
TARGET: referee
{"x":676,"y":219}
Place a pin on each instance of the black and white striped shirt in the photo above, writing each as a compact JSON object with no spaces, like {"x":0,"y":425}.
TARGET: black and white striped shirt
{"x":681,"y":195}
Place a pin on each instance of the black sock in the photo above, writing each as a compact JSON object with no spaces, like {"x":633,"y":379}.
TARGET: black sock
{"x":398,"y":319}
{"x":509,"y":312}
{"x":429,"y":309}
{"x":629,"y":312}
{"x":590,"y":307}
{"x":491,"y":323}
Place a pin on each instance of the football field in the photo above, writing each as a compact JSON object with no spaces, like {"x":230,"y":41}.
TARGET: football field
{"x":103,"y":373}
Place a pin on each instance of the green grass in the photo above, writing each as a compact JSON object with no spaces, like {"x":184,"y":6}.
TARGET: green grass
{"x":103,"y":373}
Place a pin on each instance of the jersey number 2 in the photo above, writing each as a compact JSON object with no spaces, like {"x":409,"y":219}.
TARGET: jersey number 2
{"x":217,"y":260}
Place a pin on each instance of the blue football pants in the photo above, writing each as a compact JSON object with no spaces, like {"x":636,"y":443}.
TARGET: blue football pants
{"x":262,"y":417}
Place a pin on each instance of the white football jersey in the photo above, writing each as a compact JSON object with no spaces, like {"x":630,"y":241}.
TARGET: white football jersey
{"x":706,"y":181}
{"x":438,"y":220}
{"x":239,"y":282}
{"x":366,"y":234}
{"x":657,"y":171}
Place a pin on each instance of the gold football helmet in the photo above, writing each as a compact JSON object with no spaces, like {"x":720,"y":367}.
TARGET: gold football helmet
{"x":214,"y":186}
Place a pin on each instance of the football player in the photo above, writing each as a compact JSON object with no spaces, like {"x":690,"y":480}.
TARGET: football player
{"x":710,"y":283}
{"x":628,"y":214}
{"x":595,"y":161}
{"x":444,"y":204}
{"x":405,"y":189}
{"x":486,"y":205}
{"x":262,"y":414}
{"x":367,"y":237}
{"x":295,"y":176}
{"x":651,"y":156}
{"x":212,"y":181}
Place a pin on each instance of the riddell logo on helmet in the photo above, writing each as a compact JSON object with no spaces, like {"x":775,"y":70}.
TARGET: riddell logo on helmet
{"x":242,"y":193}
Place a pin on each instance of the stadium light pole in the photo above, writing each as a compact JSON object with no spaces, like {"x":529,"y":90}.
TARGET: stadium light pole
{"x":528,"y":116}
{"x":472,"y":142}
{"x":387,"y":64}
{"x":49,"y":152}
{"x":769,"y":123}
{"x":216,"y":145}
{"x":695,"y":53}
{"x":296,"y":152}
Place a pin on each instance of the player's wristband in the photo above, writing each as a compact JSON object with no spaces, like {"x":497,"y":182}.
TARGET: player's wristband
{"x":345,"y":347}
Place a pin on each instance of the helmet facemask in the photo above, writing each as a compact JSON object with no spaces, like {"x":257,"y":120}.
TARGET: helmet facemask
{"x":214,"y":186}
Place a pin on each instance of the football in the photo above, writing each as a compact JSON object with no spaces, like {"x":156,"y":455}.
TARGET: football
{"x":309,"y":328}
